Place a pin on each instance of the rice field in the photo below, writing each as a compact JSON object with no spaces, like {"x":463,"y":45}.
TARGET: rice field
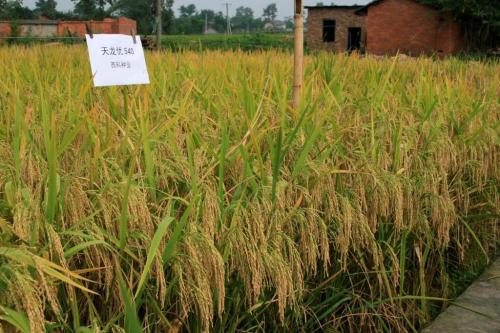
{"x":204,"y":203}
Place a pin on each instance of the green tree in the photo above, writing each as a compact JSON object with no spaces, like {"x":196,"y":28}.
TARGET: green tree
{"x":270,"y":13}
{"x":190,"y":20}
{"x":144,"y":12}
{"x":188,"y":11}
{"x":90,"y":9}
{"x":168,"y":16}
{"x":243,"y":20}
{"x":95,"y":9}
{"x":14,"y":10}
{"x":141,"y":11}
{"x":47,"y":8}
{"x":216,"y":20}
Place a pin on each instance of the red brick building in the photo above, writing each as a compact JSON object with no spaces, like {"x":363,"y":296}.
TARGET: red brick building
{"x":388,"y":27}
{"x":48,"y":28}
{"x":335,"y":28}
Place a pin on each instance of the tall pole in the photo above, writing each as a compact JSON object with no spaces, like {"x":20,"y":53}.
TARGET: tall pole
{"x":299,"y":54}
{"x":158,"y":23}
{"x":228,"y":29}
{"x":206,"y":23}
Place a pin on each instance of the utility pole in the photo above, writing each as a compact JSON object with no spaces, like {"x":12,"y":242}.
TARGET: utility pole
{"x":299,"y":54}
{"x":228,"y":29}
{"x":158,"y":23}
{"x":206,"y":23}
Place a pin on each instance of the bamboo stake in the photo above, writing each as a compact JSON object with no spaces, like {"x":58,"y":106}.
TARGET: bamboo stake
{"x":299,"y":54}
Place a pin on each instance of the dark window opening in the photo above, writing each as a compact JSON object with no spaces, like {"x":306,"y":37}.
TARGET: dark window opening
{"x":329,"y":31}
{"x":353,"y":39}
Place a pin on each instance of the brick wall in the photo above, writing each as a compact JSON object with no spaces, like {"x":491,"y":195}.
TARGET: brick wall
{"x":125,"y":25}
{"x":344,"y":18}
{"x":41,"y":30}
{"x":121,"y":25}
{"x":5,"y":29}
{"x":451,"y":38}
{"x":411,"y":28}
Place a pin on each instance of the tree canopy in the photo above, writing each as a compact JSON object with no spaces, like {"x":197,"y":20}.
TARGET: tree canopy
{"x":13,"y":9}
{"x":47,"y":8}
{"x":270,"y":13}
{"x":95,"y":9}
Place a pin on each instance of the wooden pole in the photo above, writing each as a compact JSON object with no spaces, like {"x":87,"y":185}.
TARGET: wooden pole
{"x":299,"y":54}
{"x":158,"y":23}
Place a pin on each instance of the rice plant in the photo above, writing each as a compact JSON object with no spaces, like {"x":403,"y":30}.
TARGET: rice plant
{"x":204,"y":202}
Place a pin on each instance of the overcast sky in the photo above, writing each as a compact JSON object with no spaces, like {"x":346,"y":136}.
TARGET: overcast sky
{"x":285,"y":7}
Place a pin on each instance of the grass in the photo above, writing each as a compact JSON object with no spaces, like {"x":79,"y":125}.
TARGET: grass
{"x":203,"y":202}
{"x":245,"y":42}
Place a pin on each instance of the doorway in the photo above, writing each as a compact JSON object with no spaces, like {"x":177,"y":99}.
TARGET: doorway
{"x":353,"y":39}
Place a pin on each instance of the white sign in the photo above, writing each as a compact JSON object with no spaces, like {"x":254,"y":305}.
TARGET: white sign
{"x":116,"y":60}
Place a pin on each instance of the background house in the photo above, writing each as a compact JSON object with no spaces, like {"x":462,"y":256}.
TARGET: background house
{"x":210,"y":31}
{"x":275,"y":26}
{"x":384,"y":27}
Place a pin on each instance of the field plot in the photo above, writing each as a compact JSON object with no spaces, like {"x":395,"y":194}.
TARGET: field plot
{"x":244,"y":42}
{"x":203,"y":202}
